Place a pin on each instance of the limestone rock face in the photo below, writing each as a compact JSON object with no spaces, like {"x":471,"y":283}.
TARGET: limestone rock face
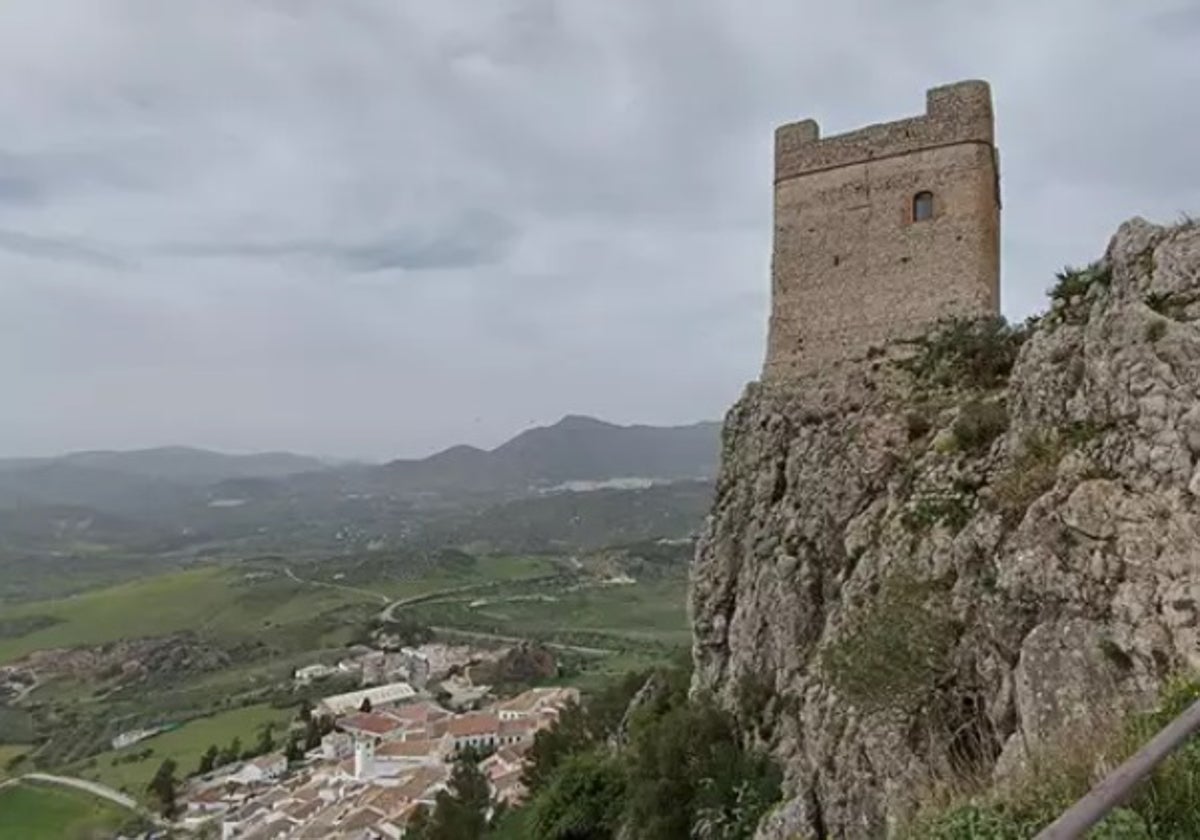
{"x":904,"y":575}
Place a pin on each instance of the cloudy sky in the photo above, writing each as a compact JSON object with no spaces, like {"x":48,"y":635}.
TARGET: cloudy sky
{"x":377,"y":227}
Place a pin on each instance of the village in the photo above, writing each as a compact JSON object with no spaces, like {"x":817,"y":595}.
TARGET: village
{"x":387,"y":749}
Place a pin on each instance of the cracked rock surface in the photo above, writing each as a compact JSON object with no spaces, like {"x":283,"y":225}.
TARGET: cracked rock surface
{"x":900,"y":577}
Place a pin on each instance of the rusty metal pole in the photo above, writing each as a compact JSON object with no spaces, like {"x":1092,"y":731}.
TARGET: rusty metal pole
{"x":1101,"y":799}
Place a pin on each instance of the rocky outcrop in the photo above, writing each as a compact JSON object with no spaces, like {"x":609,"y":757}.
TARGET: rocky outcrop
{"x":933,"y":563}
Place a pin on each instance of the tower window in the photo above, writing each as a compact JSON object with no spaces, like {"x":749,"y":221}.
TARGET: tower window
{"x":922,"y":208}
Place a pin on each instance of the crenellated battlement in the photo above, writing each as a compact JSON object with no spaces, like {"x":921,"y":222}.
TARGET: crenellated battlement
{"x":957,"y":113}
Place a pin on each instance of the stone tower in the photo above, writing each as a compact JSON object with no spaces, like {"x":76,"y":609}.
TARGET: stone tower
{"x":882,"y":231}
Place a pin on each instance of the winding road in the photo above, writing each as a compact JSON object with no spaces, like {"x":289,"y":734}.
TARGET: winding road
{"x":388,"y":613}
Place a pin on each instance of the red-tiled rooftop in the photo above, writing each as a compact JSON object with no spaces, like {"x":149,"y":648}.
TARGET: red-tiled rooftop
{"x":369,"y":722}
{"x":473,"y":723}
{"x":419,"y":712}
{"x":407,"y":749}
{"x":516,"y":727}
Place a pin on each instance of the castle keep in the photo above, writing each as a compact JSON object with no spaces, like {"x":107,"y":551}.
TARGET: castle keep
{"x":882,"y":231}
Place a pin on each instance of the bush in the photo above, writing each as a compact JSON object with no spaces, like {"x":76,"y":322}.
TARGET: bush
{"x":1155,"y":330}
{"x":892,"y":651}
{"x":975,"y":354}
{"x":583,"y":800}
{"x":979,"y":423}
{"x":952,"y":509}
{"x":1074,"y":282}
{"x":680,"y":771}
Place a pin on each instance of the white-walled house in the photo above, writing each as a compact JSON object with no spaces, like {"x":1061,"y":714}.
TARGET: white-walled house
{"x":260,"y":770}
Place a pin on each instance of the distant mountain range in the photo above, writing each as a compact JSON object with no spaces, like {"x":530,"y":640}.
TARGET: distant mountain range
{"x":171,"y":495}
{"x":176,"y":463}
{"x":573,"y":449}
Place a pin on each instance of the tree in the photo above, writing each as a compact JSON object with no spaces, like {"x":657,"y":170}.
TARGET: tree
{"x":164,"y":786}
{"x":418,"y":825}
{"x":689,"y":776}
{"x":579,"y":728}
{"x":266,"y":740}
{"x":231,"y":753}
{"x":571,"y":733}
{"x":294,"y":751}
{"x":461,"y":809}
{"x":366,"y":705}
{"x":208,"y":761}
{"x":312,"y":735}
{"x":583,"y":800}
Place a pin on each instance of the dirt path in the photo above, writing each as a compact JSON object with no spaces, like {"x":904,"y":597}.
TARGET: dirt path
{"x":381,"y":597}
{"x":93,"y":788}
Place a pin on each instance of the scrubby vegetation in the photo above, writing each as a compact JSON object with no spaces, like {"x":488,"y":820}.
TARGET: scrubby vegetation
{"x":1075,"y":282}
{"x":1030,"y":474}
{"x":979,"y":423}
{"x":671,"y":767}
{"x":892,"y":651}
{"x":975,"y":354}
{"x":952,"y":508}
{"x":1162,"y":808}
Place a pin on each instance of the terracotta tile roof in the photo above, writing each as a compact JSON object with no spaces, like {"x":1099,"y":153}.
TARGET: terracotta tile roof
{"x":418,"y":785}
{"x":303,"y":810}
{"x":420,"y":712}
{"x":391,"y":801}
{"x":408,"y":748}
{"x":208,"y":795}
{"x":473,"y":723}
{"x":362,"y":818}
{"x":516,"y":727}
{"x":376,"y":724}
{"x":515,"y":752}
{"x":529,"y":700}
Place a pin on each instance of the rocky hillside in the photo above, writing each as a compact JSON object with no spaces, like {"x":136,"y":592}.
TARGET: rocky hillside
{"x":925,"y":570}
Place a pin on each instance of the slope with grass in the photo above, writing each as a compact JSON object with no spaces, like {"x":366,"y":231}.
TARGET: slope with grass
{"x":185,"y":745}
{"x":42,"y":812}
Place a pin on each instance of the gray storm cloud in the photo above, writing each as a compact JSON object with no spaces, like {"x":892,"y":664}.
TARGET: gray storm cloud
{"x":378,"y":227}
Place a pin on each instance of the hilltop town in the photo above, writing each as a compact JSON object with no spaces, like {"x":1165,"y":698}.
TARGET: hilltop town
{"x":374,"y":768}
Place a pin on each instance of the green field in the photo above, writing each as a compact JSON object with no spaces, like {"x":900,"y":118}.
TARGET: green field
{"x":185,"y":744}
{"x":648,"y":612}
{"x":43,"y":812}
{"x":214,"y":599}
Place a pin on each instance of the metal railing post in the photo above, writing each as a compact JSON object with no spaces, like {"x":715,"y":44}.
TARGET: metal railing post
{"x":1095,"y":805}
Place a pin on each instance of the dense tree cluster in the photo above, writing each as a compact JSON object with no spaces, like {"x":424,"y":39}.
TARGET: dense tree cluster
{"x":658,"y":768}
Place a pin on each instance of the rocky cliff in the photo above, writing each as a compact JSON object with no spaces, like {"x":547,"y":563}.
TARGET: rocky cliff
{"x":931,"y":565}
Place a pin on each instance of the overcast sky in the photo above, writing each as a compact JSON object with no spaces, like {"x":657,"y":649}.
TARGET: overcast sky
{"x":379,"y":227}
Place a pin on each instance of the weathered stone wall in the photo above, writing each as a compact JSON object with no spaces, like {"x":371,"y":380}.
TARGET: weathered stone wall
{"x":850,"y":268}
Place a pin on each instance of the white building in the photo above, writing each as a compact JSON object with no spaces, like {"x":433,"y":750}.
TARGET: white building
{"x":536,"y":702}
{"x":336,"y":746}
{"x":305,"y":675}
{"x":265,"y":768}
{"x":380,"y":695}
{"x":127,"y":739}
